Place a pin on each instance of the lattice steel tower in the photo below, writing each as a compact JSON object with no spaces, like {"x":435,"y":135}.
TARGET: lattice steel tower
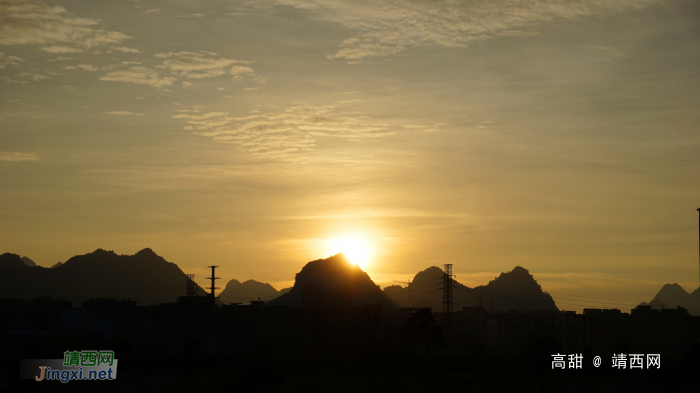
{"x":447,"y":299}
{"x":191,"y":286}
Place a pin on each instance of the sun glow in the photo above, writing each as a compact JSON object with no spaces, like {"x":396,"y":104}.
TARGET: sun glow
{"x":355,"y":247}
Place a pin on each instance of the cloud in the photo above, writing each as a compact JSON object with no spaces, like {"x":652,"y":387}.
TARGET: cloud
{"x":239,"y":72}
{"x":198,"y":15}
{"x":27,"y":22}
{"x":126,"y":50}
{"x":295,"y":129}
{"x":389,"y":27}
{"x":61,"y":49}
{"x":184,"y":65}
{"x":6,"y":60}
{"x":606,"y":53}
{"x":18,"y":156}
{"x":425,"y":128}
{"x":123,"y":113}
{"x":27,"y":77}
{"x":199,"y":117}
{"x":196,"y":65}
{"x":140,"y":75}
{"x":87,"y":67}
{"x":38,"y":77}
{"x":10,"y":80}
{"x":60,"y":58}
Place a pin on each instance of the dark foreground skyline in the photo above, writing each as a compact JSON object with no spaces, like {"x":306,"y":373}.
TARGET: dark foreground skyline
{"x":336,"y":327}
{"x":558,"y":136}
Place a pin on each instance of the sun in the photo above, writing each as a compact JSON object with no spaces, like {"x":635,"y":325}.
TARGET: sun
{"x":355,"y":247}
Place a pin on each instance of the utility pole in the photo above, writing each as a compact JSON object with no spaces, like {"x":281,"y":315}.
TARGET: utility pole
{"x":213,"y":278}
{"x":447,"y":299}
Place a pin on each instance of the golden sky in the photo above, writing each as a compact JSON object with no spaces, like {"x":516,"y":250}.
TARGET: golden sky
{"x":561,"y":136}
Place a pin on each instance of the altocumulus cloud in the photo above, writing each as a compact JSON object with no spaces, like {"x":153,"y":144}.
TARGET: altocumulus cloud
{"x":198,"y":65}
{"x":26,"y":22}
{"x":18,"y":156}
{"x":295,"y":129}
{"x":388,"y":27}
{"x":6,"y":60}
{"x":140,"y":75}
{"x":183,"y":65}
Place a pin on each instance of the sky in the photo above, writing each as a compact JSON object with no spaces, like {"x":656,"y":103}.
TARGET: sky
{"x":561,"y":136}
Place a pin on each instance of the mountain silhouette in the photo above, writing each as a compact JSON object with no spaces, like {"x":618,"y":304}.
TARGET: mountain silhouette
{"x":516,"y":289}
{"x":244,"y":292}
{"x":28,"y":262}
{"x":144,"y":277}
{"x":333,"y":281}
{"x":673,"y":295}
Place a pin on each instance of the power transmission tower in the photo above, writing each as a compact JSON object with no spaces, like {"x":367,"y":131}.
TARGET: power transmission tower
{"x":191,"y":286}
{"x":213,"y":278}
{"x":447,"y":299}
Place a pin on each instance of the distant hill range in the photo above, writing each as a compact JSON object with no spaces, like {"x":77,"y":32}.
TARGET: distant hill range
{"x":673,"y":295}
{"x":144,"y":277}
{"x":150,"y":279}
{"x":244,"y":292}
{"x":333,"y":281}
{"x":516,"y":289}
